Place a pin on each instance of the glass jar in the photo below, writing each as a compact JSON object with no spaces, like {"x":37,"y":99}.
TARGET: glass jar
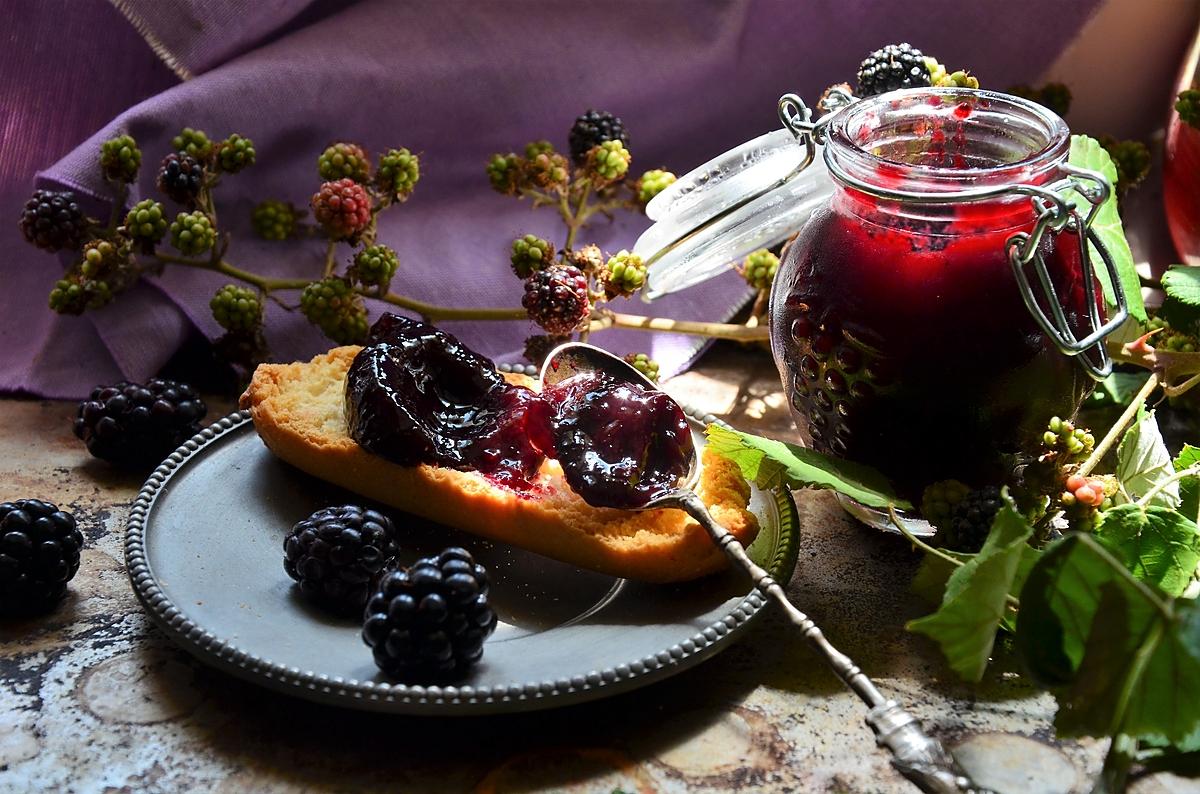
{"x":933,"y":314}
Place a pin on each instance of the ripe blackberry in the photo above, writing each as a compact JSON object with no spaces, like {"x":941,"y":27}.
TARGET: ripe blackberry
{"x":592,"y":129}
{"x":237,"y":309}
{"x":53,"y":220}
{"x":430,"y":620}
{"x":120,"y":159}
{"x":192,"y":233}
{"x":399,"y":170}
{"x":539,"y":346}
{"x":180,"y":176}
{"x":274,"y":220}
{"x":135,"y":425}
{"x":557,"y":298}
{"x":337,"y":553}
{"x":644,"y":364}
{"x":609,"y":161}
{"x":344,"y":161}
{"x":343,"y":208}
{"x":531,"y":254}
{"x":334,"y":307}
{"x":893,"y":67}
{"x":504,"y":173}
{"x":235,"y":153}
{"x":971,"y":520}
{"x":759,"y":269}
{"x":652,"y":183}
{"x":624,"y":275}
{"x":375,"y":265}
{"x":39,"y":554}
{"x":146,"y":222}
{"x":194,"y":143}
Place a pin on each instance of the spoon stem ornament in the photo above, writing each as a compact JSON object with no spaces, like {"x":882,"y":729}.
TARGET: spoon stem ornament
{"x":920,"y":758}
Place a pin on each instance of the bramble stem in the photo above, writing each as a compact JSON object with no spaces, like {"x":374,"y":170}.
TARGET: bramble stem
{"x":1114,"y":432}
{"x":738,"y":333}
{"x":330,"y":258}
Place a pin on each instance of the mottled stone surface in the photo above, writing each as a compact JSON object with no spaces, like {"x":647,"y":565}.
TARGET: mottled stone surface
{"x":94,"y":699}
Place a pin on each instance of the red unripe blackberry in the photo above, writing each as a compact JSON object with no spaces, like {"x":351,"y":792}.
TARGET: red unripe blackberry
{"x":343,"y":208}
{"x":557,"y":298}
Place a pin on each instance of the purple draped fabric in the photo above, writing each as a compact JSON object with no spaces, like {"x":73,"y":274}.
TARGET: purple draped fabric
{"x":454,"y":81}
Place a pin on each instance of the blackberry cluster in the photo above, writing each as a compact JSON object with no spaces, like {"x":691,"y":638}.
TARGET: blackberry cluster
{"x":504,"y":173}
{"x":399,"y":171}
{"x":53,"y":220}
{"x":237,"y":309}
{"x":235,"y":153}
{"x":652,"y":183}
{"x":1070,"y":442}
{"x":644,"y":364}
{"x":344,"y":161}
{"x":180,"y":177}
{"x":120,"y":159}
{"x":146,"y":222}
{"x":274,"y":220}
{"x":534,"y":148}
{"x":624,"y":275}
{"x":939,"y":500}
{"x":539,"y":346}
{"x":334,"y":307}
{"x":531,"y":254}
{"x":1187,"y":105}
{"x":971,"y":520}
{"x":759,"y":269}
{"x":592,"y":129}
{"x":103,"y":261}
{"x":343,"y":208}
{"x":337,"y":553}
{"x":1131,"y":158}
{"x":135,"y":425}
{"x":609,"y":161}
{"x":890,"y":68}
{"x":557,"y":298}
{"x":192,"y":233}
{"x":194,"y":143}
{"x":39,"y":554}
{"x":75,"y":294}
{"x":431,"y":619}
{"x":375,"y":265}
{"x":548,"y":170}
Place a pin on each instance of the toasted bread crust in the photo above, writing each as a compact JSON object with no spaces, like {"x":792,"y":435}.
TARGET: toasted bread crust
{"x":298,"y":411}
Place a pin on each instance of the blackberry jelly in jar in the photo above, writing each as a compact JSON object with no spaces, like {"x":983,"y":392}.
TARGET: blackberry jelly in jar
{"x":940,"y":307}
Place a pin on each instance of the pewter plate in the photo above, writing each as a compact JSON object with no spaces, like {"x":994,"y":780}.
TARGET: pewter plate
{"x":204,"y":549}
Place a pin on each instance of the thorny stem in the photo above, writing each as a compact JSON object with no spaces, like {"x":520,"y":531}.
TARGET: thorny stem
{"x":330,"y":258}
{"x":1114,"y":432}
{"x":1159,"y":487}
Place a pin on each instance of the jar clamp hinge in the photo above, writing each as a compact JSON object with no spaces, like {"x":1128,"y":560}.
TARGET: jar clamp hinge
{"x":1054,"y":215}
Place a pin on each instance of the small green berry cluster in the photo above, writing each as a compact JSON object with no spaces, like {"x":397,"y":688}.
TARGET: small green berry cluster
{"x":624,"y":275}
{"x":939,"y":500}
{"x":1055,"y":96}
{"x":146,"y":222}
{"x":644,"y":364}
{"x":1068,"y":442}
{"x":1187,"y":105}
{"x":652,"y":183}
{"x":399,"y":170}
{"x":1169,"y":339}
{"x":939,"y":77}
{"x":1131,"y":158}
{"x":192,"y":233}
{"x":336,"y":308}
{"x":531,"y":254}
{"x":235,"y":153}
{"x":344,"y":161}
{"x":237,"y":309}
{"x":120,"y":159}
{"x":374,"y":266}
{"x":274,"y":220}
{"x":759,"y":269}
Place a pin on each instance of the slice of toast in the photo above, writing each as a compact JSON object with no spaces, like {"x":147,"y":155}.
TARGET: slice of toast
{"x":298,"y":411}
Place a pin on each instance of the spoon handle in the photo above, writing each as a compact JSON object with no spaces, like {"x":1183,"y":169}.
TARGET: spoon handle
{"x":918,"y":757}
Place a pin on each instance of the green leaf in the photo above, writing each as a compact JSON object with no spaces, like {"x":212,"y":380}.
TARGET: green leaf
{"x":976,"y":597}
{"x":1143,"y":462}
{"x":1182,"y":317}
{"x":1088,"y":153}
{"x":1183,"y":284}
{"x":1189,"y":487}
{"x":770,"y":463}
{"x":1119,"y":388}
{"x":1123,"y":657}
{"x":929,"y":583}
{"x":1158,"y":545}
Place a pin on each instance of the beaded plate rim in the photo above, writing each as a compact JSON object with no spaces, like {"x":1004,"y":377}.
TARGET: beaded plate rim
{"x":450,"y":699}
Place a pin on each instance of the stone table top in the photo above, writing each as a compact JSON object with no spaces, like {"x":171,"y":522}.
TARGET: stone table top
{"x":93,"y":698}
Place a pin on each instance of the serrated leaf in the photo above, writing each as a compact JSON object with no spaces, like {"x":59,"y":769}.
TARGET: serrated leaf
{"x":976,"y":597}
{"x":1143,"y":462}
{"x":1182,"y":283}
{"x":1158,"y":545}
{"x":1088,"y":153}
{"x":1119,"y":387}
{"x":770,"y":463}
{"x":929,"y":583}
{"x":1181,"y":316}
{"x":1189,"y":487}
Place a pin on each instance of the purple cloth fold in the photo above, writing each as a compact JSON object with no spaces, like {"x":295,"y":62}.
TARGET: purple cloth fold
{"x":455,"y":83}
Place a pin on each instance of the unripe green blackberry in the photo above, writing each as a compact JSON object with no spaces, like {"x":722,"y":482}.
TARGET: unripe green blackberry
{"x":399,"y":170}
{"x":548,"y":171}
{"x":344,"y":161}
{"x":624,"y":275}
{"x":375,"y":265}
{"x":192,"y":233}
{"x":530,"y":254}
{"x":102,"y":258}
{"x":652,"y":183}
{"x":1187,"y":105}
{"x":75,"y":294}
{"x":146,"y":222}
{"x":1131,"y":158}
{"x":609,"y":161}
{"x":504,"y":173}
{"x":939,"y":500}
{"x":644,"y":364}
{"x":1071,"y":442}
{"x":534,"y":148}
{"x":759,"y":269}
{"x":193,"y":142}
{"x":237,"y":309}
{"x":235,"y":153}
{"x":274,"y":220}
{"x":120,"y":159}
{"x":334,"y":307}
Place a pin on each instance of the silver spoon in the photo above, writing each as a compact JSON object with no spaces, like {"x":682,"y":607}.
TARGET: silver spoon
{"x":920,"y":758}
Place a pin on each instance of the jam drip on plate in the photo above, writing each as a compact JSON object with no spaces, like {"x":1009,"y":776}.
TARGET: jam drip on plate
{"x":416,"y":395}
{"x":620,"y":445}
